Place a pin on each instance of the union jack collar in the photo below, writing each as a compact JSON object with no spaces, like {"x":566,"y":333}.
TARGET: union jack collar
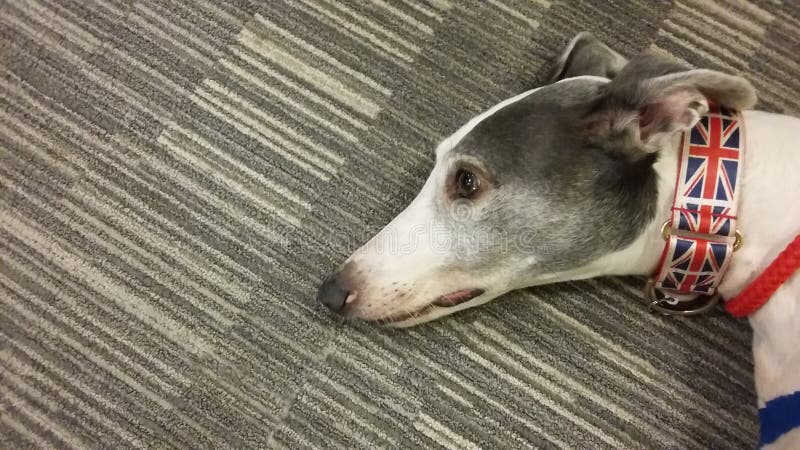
{"x":701,"y":233}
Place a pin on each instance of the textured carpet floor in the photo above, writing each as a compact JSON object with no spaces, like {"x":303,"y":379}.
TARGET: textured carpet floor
{"x":175,"y":181}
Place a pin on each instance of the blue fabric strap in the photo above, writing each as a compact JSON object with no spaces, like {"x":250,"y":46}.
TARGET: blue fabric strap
{"x":778,"y":417}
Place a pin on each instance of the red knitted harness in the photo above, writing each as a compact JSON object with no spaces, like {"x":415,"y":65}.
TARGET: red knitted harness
{"x":759,"y":291}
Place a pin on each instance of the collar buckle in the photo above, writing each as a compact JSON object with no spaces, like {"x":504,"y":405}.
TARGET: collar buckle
{"x":666,"y":231}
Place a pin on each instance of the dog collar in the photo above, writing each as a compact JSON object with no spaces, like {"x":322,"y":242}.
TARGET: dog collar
{"x":701,"y":233}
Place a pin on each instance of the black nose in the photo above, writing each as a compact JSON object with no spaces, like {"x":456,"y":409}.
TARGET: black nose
{"x":333,"y":294}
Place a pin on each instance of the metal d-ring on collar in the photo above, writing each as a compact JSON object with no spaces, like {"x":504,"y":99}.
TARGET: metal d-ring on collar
{"x":662,"y":305}
{"x":697,"y":306}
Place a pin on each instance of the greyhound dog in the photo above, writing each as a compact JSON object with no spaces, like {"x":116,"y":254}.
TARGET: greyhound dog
{"x":575,"y":180}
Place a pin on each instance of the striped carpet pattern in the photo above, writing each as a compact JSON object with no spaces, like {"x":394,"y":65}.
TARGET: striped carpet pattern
{"x":177,"y":177}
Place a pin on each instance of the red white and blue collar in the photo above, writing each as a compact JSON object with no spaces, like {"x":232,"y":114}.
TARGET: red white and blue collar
{"x":701,"y":233}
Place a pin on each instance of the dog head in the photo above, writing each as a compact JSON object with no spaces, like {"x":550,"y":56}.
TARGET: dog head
{"x":539,"y":188}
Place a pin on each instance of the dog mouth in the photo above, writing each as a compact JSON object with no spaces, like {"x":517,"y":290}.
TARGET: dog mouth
{"x":457,"y":298}
{"x":443,"y":301}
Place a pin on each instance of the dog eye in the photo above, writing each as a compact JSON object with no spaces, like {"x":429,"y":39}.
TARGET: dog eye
{"x":467,"y":183}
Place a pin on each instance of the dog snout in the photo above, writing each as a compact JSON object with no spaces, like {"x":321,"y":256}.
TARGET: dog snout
{"x":334,"y":293}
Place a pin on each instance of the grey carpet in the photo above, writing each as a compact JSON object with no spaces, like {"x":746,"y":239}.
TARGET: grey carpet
{"x":177,"y":177}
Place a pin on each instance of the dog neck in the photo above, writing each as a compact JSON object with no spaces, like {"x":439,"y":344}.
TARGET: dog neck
{"x":765,"y":184}
{"x":768,"y":219}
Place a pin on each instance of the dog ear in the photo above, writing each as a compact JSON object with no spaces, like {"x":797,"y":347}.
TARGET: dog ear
{"x":653,"y":98}
{"x":586,"y":55}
